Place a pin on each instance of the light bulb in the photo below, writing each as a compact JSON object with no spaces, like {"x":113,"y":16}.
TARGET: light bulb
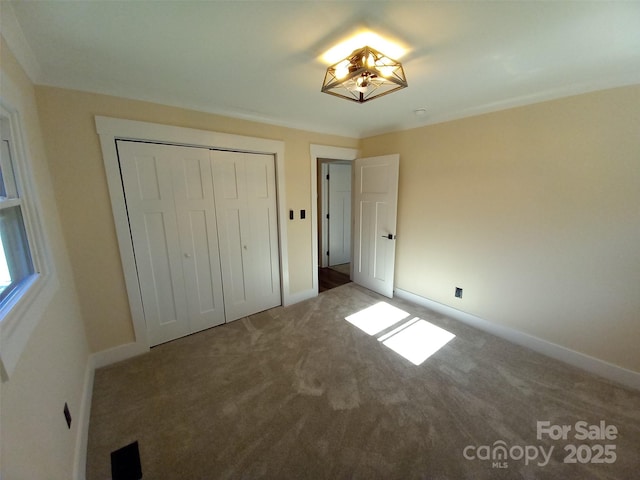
{"x":342,"y":70}
{"x":371,"y":61}
{"x":387,"y":70}
{"x":362,"y":84}
{"x":386,"y":67}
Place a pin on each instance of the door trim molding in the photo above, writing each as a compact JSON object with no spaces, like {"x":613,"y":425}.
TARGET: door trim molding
{"x":111,"y":129}
{"x":323,"y":222}
{"x":317,"y":152}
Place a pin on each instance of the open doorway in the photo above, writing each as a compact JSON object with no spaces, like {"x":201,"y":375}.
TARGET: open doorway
{"x":334,"y":223}
{"x":317,"y":154}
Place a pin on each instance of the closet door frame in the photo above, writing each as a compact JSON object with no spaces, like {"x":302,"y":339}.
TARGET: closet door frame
{"x":111,"y":129}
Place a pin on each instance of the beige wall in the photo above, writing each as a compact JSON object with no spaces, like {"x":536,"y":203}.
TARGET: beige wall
{"x":81,"y":191}
{"x":34,"y":439}
{"x":535,"y":213}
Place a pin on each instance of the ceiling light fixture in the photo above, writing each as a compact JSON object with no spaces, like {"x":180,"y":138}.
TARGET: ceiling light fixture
{"x":363,"y":75}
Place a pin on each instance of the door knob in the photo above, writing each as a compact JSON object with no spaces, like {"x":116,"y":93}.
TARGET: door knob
{"x":389,"y":236}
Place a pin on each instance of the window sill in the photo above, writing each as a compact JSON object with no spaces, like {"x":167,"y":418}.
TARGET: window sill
{"x":20,"y":316}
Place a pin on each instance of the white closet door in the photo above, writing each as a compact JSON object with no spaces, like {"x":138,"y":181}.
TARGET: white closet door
{"x":170,"y":202}
{"x":244,"y":186}
{"x":196,"y":214}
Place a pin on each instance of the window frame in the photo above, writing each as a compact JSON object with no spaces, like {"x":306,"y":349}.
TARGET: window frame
{"x":24,"y":307}
{"x":15,"y":248}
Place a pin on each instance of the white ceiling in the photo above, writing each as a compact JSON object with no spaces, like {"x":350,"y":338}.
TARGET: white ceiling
{"x":259,"y":60}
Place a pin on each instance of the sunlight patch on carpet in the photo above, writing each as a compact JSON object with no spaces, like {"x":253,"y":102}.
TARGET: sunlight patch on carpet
{"x":416,"y":339}
{"x":376,"y":318}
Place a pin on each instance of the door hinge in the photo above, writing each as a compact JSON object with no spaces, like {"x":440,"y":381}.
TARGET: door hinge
{"x":327,"y":176}
{"x":327,"y":216}
{"x":327,"y":253}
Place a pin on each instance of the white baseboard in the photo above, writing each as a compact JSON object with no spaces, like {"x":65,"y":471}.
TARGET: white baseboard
{"x":97,"y":360}
{"x":558,"y":352}
{"x":300,"y":296}
{"x":82,"y":435}
{"x":119,"y":353}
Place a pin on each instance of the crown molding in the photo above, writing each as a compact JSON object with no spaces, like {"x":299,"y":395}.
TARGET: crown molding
{"x":15,"y":39}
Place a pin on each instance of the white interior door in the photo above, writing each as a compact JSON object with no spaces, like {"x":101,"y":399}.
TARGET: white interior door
{"x":375,"y":198}
{"x":170,"y":203}
{"x":339,"y":214}
{"x":245,"y":193}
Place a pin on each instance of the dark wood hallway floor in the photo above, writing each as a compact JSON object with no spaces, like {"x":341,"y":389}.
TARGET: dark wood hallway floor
{"x":329,"y":278}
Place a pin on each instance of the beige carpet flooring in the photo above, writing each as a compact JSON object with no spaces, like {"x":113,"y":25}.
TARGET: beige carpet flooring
{"x":300,"y":393}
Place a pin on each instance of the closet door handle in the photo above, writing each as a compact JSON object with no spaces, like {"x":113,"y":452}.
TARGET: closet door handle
{"x":389,"y":236}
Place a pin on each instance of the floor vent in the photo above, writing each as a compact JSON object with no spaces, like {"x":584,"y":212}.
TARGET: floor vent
{"x":125,"y":463}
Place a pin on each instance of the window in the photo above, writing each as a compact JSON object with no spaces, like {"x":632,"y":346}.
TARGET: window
{"x":26,"y":280}
{"x":16,"y":264}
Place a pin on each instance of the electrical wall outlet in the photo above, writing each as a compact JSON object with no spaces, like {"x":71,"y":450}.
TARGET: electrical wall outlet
{"x":67,"y":414}
{"x":458,"y":292}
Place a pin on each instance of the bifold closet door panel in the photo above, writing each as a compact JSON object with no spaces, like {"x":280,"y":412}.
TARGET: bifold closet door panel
{"x":263,"y":225}
{"x":196,"y":214}
{"x":244,"y":186}
{"x":148,"y":186}
{"x":171,"y":208}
